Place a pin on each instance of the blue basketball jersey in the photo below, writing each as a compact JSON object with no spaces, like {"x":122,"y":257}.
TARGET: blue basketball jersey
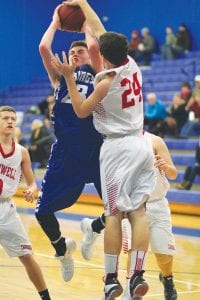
{"x":64,"y":119}
{"x":74,"y":159}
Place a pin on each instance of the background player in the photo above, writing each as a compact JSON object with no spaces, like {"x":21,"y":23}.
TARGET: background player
{"x":159,"y":219}
{"x":15,"y":161}
{"x":74,"y":159}
{"x":126,"y":181}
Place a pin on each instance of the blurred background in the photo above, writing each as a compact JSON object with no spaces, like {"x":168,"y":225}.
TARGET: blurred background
{"x":23,"y":22}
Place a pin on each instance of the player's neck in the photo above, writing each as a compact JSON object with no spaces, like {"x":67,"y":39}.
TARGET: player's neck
{"x":6,"y":140}
{"x":108,"y":65}
{"x":7,"y":146}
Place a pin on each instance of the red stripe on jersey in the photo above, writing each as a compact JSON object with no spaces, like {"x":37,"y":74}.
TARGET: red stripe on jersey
{"x":10,"y":153}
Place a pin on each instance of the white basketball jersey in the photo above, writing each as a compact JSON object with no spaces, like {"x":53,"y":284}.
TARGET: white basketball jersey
{"x":121,"y":111}
{"x":162,"y":184}
{"x":10,"y":171}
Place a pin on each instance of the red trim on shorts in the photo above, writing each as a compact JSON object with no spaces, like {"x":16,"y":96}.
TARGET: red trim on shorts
{"x":26,"y":247}
{"x":171,"y":247}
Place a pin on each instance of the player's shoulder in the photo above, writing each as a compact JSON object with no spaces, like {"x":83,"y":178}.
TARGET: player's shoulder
{"x":155,"y":138}
{"x":159,"y":143}
{"x":20,"y":151}
{"x":104,"y":79}
{"x":134,"y":66}
{"x":23,"y":149}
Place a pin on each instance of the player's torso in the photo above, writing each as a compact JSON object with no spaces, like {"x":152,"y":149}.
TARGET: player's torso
{"x":10,"y":171}
{"x":64,"y":118}
{"x":121,"y":111}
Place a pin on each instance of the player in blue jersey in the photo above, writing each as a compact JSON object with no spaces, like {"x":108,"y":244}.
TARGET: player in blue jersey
{"x":74,"y":159}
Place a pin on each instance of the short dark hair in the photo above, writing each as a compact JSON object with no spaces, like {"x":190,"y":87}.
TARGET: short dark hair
{"x":78,"y":44}
{"x":186,"y":84}
{"x":7,"y":108}
{"x":114,"y":47}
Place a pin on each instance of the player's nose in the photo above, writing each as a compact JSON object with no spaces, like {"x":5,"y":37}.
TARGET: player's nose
{"x":10,"y":121}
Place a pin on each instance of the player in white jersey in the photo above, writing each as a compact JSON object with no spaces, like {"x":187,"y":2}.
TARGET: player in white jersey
{"x":159,"y":219}
{"x":15,"y":161}
{"x":126,"y":158}
{"x":121,"y":110}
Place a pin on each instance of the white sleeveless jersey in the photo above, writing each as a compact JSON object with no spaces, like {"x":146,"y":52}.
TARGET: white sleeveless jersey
{"x":121,"y":111}
{"x":162,"y":184}
{"x":10,"y":171}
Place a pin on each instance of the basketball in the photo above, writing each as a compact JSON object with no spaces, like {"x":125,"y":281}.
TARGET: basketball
{"x":71,"y":18}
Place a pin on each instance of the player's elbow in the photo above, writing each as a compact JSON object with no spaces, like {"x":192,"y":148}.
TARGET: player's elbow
{"x":43,"y":49}
{"x":172,"y":177}
{"x":93,"y":48}
{"x":173,"y":174}
{"x":81,"y":113}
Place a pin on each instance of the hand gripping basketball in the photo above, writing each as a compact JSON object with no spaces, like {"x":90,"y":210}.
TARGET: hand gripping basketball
{"x":71,"y":18}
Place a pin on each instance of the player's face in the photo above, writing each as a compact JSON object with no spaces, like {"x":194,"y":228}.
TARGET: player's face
{"x":79,"y":56}
{"x":7,"y":122}
{"x":197,"y":83}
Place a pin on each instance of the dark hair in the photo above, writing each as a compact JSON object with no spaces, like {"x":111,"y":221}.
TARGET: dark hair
{"x":78,"y":44}
{"x":114,"y":47}
{"x":186,"y":84}
{"x":7,"y":108}
{"x":183,"y":25}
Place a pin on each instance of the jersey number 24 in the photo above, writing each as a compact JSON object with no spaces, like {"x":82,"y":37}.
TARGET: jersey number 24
{"x":133,"y":88}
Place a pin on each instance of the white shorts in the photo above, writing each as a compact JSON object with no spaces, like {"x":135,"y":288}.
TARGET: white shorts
{"x":161,"y":237}
{"x":127,"y":173}
{"x":13,"y":237}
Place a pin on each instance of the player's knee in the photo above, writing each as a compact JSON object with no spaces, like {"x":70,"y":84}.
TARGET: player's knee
{"x":26,"y":259}
{"x":38,"y":216}
{"x":41,"y":218}
{"x":49,"y":224}
{"x":164,"y":258}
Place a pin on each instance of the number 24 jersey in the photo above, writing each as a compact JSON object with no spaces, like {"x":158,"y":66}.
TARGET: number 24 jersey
{"x":121,"y":111}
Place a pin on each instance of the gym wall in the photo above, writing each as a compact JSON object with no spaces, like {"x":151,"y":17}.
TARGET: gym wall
{"x":23,"y":22}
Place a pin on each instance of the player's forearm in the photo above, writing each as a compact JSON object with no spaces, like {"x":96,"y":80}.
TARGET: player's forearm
{"x":74,"y":95}
{"x":48,"y":36}
{"x":93,"y":49}
{"x":93,"y":20}
{"x":170,"y":172}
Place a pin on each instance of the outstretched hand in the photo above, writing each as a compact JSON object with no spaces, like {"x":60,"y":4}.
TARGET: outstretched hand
{"x":63,"y":67}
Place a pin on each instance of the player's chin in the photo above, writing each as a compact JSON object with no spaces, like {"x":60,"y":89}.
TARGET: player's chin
{"x":10,"y":130}
{"x":76,"y":62}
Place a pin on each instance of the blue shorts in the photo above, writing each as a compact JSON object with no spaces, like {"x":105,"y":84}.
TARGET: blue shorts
{"x":70,"y":167}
